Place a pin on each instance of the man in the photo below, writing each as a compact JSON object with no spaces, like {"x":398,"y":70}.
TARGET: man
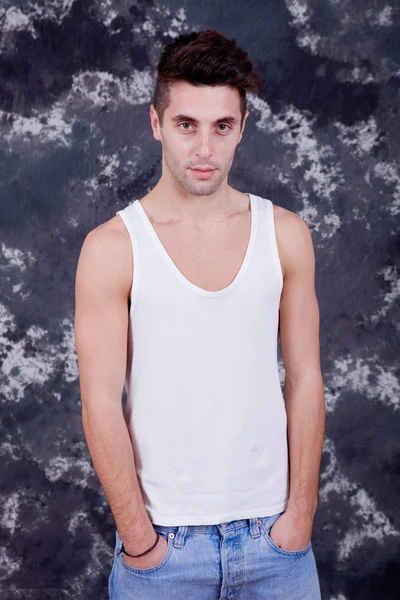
{"x":210,"y":472}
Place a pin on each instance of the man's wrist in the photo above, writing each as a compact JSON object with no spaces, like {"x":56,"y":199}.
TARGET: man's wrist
{"x":304,"y":510}
{"x":136,"y":546}
{"x":144,"y":552}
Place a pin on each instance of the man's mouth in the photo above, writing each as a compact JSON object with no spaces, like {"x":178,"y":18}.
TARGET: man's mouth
{"x":203,"y":173}
{"x":202,"y":169}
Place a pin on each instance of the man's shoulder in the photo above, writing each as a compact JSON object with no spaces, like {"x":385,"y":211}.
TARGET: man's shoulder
{"x":107,"y":244}
{"x":111,"y":232}
{"x":289,"y":222}
{"x":293,"y":237}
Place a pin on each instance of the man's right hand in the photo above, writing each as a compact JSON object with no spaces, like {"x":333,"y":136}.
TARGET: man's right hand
{"x":149,"y":560}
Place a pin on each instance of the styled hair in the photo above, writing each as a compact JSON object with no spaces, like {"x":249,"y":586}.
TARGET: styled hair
{"x":204,"y":58}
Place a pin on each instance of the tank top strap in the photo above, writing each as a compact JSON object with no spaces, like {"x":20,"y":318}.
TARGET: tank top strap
{"x":271,"y":229}
{"x":128,"y":217}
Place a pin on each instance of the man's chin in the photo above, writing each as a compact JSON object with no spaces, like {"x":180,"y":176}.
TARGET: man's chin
{"x":201,"y":188}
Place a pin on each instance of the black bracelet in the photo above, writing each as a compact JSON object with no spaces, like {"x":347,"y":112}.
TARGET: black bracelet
{"x":122,"y":549}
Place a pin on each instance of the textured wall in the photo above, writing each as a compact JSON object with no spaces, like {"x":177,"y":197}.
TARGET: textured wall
{"x":323,"y":140}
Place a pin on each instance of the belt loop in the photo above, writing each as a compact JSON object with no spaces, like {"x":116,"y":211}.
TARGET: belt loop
{"x":180,"y":536}
{"x":254,"y":524}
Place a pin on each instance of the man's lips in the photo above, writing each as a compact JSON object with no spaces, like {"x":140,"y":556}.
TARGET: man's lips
{"x":203,"y":173}
{"x":198,"y":169}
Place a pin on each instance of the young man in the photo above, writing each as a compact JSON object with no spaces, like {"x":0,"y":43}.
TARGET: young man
{"x":211,"y":474}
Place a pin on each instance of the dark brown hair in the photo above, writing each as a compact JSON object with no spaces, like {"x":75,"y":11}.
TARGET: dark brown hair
{"x":204,"y":58}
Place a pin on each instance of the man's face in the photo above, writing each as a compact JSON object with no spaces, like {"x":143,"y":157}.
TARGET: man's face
{"x":201,"y":129}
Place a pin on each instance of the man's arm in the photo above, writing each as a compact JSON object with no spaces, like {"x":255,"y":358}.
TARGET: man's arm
{"x":299,"y":338}
{"x":103,"y":281}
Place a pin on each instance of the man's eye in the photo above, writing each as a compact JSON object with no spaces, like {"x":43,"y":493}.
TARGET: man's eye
{"x":219,"y":125}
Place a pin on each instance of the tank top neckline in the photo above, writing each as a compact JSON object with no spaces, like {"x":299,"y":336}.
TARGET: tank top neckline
{"x":190,"y":285}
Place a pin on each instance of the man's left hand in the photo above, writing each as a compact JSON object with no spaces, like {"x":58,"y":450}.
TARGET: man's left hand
{"x":292,"y":531}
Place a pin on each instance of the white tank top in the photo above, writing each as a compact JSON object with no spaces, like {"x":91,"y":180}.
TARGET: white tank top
{"x":204,"y":404}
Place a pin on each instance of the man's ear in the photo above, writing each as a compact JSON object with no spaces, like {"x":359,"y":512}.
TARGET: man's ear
{"x":244,"y":123}
{"x":155,"y":123}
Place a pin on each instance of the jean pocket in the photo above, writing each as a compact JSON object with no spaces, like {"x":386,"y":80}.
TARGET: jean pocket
{"x":266,"y":526}
{"x":136,"y":570}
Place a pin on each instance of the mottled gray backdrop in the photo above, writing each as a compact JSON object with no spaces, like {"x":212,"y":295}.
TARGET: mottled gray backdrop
{"x":323,"y":140}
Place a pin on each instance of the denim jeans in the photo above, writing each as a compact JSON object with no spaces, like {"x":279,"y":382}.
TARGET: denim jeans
{"x":235,"y":560}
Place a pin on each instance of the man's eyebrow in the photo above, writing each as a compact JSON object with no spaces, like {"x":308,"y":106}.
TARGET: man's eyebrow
{"x":228,"y":119}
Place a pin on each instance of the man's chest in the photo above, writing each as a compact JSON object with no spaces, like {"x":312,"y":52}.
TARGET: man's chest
{"x":210,"y":259}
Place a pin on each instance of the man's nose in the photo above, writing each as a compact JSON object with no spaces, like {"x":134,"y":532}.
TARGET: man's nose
{"x":204,"y":147}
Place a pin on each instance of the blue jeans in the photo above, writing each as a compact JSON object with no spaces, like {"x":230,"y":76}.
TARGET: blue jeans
{"x":214,"y":562}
